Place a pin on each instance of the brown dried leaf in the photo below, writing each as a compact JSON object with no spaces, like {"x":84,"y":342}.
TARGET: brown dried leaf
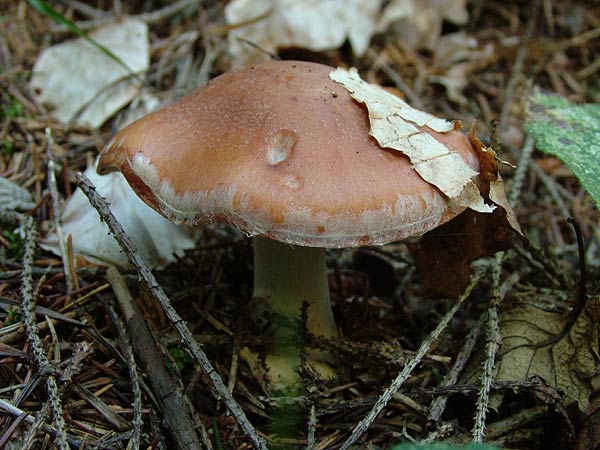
{"x":528,"y":349}
{"x":490,"y":181}
{"x":443,"y":256}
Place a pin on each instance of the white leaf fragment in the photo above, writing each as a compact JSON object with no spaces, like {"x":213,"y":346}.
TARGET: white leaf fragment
{"x":82,"y":83}
{"x":157,"y":239}
{"x":326,"y":24}
{"x":312,"y":24}
{"x":394,"y":124}
{"x":419,"y":22}
{"x":13,"y":197}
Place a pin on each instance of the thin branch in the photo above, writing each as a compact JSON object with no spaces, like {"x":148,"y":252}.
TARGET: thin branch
{"x":383,"y":400}
{"x":172,"y":405}
{"x":312,"y":428}
{"x":8,"y":408}
{"x":491,"y":349}
{"x":136,"y":432}
{"x":438,"y":405}
{"x":62,"y":243}
{"x":28,"y":310}
{"x":149,"y":18}
{"x":177,"y":322}
{"x":520,"y":171}
{"x":81,"y":352}
{"x":493,"y":331}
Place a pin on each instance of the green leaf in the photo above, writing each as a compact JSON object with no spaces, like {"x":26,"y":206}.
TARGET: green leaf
{"x":571,"y":133}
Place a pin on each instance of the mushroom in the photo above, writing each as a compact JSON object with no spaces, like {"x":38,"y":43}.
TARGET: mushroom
{"x":283,"y":153}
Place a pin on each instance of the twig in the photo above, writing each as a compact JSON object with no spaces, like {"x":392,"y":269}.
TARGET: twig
{"x":233,"y":367}
{"x":11,"y":429}
{"x":62,"y":243}
{"x":383,"y":400}
{"x":8,"y":408}
{"x":134,"y":443}
{"x":167,"y":11}
{"x":82,"y":350}
{"x":438,"y":405}
{"x":491,"y":350}
{"x":172,"y":405}
{"x":150,"y":18}
{"x":551,"y":185}
{"x":520,"y":171}
{"x":102,"y":408}
{"x":547,"y":394}
{"x":312,"y":428}
{"x":510,"y":88}
{"x":186,"y":336}
{"x":396,"y":78}
{"x":493,"y":331}
{"x":28,"y":310}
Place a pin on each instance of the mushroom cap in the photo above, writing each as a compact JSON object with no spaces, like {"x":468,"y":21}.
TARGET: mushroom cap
{"x":279,"y":150}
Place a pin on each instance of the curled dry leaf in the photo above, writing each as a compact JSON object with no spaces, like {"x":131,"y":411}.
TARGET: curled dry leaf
{"x":312,"y":24}
{"x":396,"y":125}
{"x":535,"y":346}
{"x":323,"y":25}
{"x":455,"y":57}
{"x":443,"y":256}
{"x":157,"y":239}
{"x":80,"y":82}
{"x":419,"y":22}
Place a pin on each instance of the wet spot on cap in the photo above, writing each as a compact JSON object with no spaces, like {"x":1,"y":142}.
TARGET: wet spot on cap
{"x":280,"y":146}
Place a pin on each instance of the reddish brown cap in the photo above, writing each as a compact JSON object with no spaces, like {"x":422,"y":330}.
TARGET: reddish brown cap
{"x":280,"y":150}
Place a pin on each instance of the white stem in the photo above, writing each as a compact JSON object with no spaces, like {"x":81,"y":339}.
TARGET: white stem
{"x":285,"y":277}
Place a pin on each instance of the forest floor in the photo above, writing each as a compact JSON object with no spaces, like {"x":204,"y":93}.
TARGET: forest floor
{"x":516,"y":364}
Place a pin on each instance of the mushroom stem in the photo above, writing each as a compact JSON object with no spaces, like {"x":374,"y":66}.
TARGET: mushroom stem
{"x":285,"y":277}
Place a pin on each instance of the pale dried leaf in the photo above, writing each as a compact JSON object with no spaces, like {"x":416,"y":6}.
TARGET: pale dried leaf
{"x":567,"y":365}
{"x":143,"y":104}
{"x":394,"y":124}
{"x":13,"y":197}
{"x":82,"y":83}
{"x":312,"y":24}
{"x":419,"y":22}
{"x":455,"y":56}
{"x":157,"y":239}
{"x":498,"y":196}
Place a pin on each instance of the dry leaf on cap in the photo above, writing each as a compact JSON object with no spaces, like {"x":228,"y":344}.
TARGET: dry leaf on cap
{"x":157,"y":239}
{"x":419,"y":22}
{"x":82,"y":83}
{"x":394,"y":124}
{"x":444,"y":255}
{"x":312,"y":24}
